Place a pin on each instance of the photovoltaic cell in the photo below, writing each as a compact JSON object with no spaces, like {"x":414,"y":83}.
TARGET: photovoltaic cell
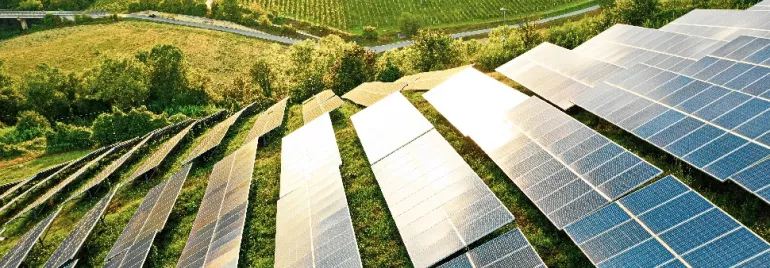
{"x":268,"y":120}
{"x":665,"y":223}
{"x":214,"y":137}
{"x":428,"y":80}
{"x":305,"y":150}
{"x":19,"y":251}
{"x":369,"y":93}
{"x":135,"y":242}
{"x":508,"y":250}
{"x":158,"y":156}
{"x":761,"y":6}
{"x":39,"y":177}
{"x":69,"y":248}
{"x":438,"y":202}
{"x":215,"y":239}
{"x":557,"y":74}
{"x":721,"y":24}
{"x":321,"y":103}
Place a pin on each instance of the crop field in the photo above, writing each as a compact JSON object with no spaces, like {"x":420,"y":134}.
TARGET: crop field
{"x":354,"y":14}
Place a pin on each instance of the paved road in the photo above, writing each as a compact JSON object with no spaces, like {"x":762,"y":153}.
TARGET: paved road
{"x":383,"y":48}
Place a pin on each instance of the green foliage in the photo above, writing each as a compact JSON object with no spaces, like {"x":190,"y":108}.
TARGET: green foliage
{"x":177,"y":118}
{"x":120,"y":126}
{"x":409,"y":24}
{"x":53,"y":21}
{"x":119,"y":83}
{"x":30,"y":125}
{"x":571,"y":34}
{"x":11,"y":100}
{"x":229,"y":10}
{"x":238,"y":93}
{"x":65,"y":137}
{"x":356,"y":66}
{"x":50,"y":92}
{"x":262,"y":74}
{"x":370,"y":33}
{"x":435,"y":51}
{"x":169,"y":84}
{"x":79,"y":19}
{"x":9,"y":151}
{"x":30,"y":5}
{"x":389,"y":73}
{"x":264,"y":21}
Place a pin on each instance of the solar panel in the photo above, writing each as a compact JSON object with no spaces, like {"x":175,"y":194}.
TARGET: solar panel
{"x":215,"y":239}
{"x":158,"y":156}
{"x":135,"y":242}
{"x":508,"y":250}
{"x":723,"y":25}
{"x":428,"y":80}
{"x":35,"y":179}
{"x":666,"y":223}
{"x":761,"y":6}
{"x":307,"y":149}
{"x":214,"y":137}
{"x":557,"y":74}
{"x":268,"y":120}
{"x":626,"y":45}
{"x":69,"y":248}
{"x":313,"y":225}
{"x":320,"y":104}
{"x":388,"y":125}
{"x":438,"y":202}
{"x":19,"y":251}
{"x":713,"y":116}
{"x":369,"y":93}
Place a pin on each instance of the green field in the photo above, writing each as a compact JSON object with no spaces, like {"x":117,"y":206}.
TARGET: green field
{"x":383,"y":14}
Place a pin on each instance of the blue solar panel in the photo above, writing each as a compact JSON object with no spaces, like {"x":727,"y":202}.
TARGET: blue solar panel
{"x":665,"y":223}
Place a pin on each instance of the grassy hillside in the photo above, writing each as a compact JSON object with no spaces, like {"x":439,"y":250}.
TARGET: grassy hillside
{"x":384,"y":14}
{"x":218,"y":55}
{"x":22,"y":168}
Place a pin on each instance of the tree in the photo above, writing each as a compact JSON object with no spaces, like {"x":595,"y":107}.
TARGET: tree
{"x":66,"y":137}
{"x":167,"y":74}
{"x":435,"y":51}
{"x":120,"y":126}
{"x":634,"y":12}
{"x":389,"y":72}
{"x":31,"y":125}
{"x":264,"y":21}
{"x":262,"y":74}
{"x":370,"y":33}
{"x":120,"y":83}
{"x":49,"y":91}
{"x":11,"y":100}
{"x":30,"y":5}
{"x":409,"y":24}
{"x":529,"y":34}
{"x":353,"y":68}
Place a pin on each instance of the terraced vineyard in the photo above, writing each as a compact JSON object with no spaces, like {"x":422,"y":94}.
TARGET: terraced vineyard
{"x":384,"y":14}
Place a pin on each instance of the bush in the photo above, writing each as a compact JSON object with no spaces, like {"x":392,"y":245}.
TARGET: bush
{"x":50,"y":92}
{"x":264,"y":21}
{"x":370,"y":33}
{"x":66,"y":137}
{"x":120,"y":83}
{"x":79,"y":19}
{"x":31,"y":125}
{"x":288,"y":29}
{"x":8,"y":151}
{"x":262,"y":74}
{"x":409,"y":24}
{"x":30,"y":5}
{"x":120,"y":126}
{"x":389,"y":73}
{"x":177,"y":118}
{"x":354,"y":67}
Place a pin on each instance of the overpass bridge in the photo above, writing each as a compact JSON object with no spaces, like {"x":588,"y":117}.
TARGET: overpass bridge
{"x":23,"y":16}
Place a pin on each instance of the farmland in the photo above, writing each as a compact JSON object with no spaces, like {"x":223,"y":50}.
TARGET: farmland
{"x":352,"y":15}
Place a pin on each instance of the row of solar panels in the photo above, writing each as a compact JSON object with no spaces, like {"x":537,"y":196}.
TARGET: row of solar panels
{"x":136,"y":240}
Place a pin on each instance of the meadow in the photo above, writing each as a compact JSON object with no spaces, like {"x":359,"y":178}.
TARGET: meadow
{"x":353,"y":15}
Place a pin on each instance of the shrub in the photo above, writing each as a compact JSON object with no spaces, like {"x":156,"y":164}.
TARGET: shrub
{"x":288,"y":29}
{"x":238,"y":93}
{"x":49,"y":91}
{"x":30,"y":5}
{"x":66,"y":137}
{"x":177,"y":118}
{"x":8,"y":151}
{"x":31,"y":125}
{"x":262,"y":74}
{"x":354,"y":67}
{"x":370,"y":33}
{"x":264,"y":21}
{"x":389,"y":73}
{"x":120,"y":126}
{"x":79,"y":19}
{"x":11,"y":100}
{"x":409,"y":24}
{"x":435,"y":51}
{"x":120,"y":83}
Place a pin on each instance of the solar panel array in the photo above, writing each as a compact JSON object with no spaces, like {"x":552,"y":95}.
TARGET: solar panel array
{"x":508,"y":250}
{"x":438,"y":202}
{"x":306,"y":150}
{"x":761,"y":6}
{"x":667,"y":224}
{"x":135,"y":242}
{"x":313,"y":225}
{"x":69,"y":248}
{"x":723,"y":25}
{"x":268,"y":120}
{"x":557,"y":74}
{"x":19,"y":251}
{"x":215,"y":239}
{"x":37,"y":178}
{"x":367,"y":94}
{"x":160,"y":155}
{"x":625,"y":46}
{"x":713,"y":116}
{"x":428,"y":80}
{"x":215,"y":135}
{"x":321,"y":103}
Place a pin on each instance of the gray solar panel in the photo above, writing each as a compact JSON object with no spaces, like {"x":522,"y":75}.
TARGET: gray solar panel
{"x":305,"y":150}
{"x":159,"y":155}
{"x":268,"y":120}
{"x":438,"y":202}
{"x":666,"y":224}
{"x":369,"y":93}
{"x":508,"y":250}
{"x":69,"y":248}
{"x":19,"y":251}
{"x":713,"y":115}
{"x":761,"y":6}
{"x":215,"y":239}
{"x":557,"y":74}
{"x":135,"y":242}
{"x":429,"y":80}
{"x":215,"y":135}
{"x":723,"y":25}
{"x":320,"y":104}
{"x":39,"y":177}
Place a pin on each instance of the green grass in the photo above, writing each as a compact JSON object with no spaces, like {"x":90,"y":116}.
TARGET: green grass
{"x":217,"y":55}
{"x":14,"y":170}
{"x":352,"y":15}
